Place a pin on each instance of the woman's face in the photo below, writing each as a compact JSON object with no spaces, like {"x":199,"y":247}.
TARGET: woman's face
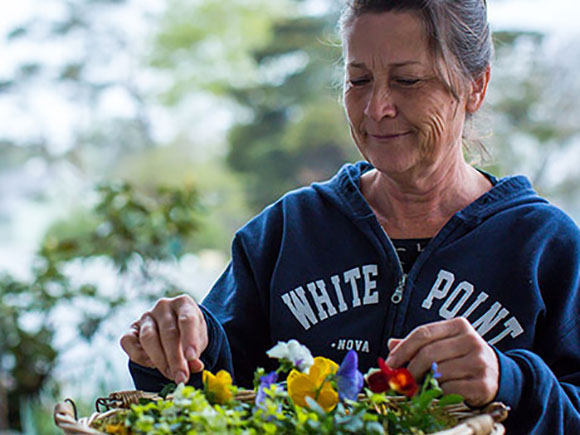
{"x":402,"y":116}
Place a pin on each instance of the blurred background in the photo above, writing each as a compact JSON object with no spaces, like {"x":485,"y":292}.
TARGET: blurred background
{"x":137,"y":136}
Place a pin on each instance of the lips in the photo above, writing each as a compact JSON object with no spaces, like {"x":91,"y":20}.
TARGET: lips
{"x":388,"y":136}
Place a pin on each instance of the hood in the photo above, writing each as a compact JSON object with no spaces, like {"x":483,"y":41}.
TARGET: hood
{"x":343,"y":190}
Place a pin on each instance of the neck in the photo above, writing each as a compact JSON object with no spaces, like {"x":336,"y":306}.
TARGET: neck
{"x":411,"y":205}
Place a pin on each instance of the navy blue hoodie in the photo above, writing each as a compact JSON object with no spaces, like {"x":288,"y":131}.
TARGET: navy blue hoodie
{"x":317,"y":266}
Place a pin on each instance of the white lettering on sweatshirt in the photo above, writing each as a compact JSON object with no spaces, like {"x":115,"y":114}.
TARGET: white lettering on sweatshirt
{"x":454,"y":301}
{"x":300,"y":307}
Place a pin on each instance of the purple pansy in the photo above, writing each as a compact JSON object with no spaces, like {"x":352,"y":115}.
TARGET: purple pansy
{"x":266,"y":382}
{"x":434,"y":369}
{"x":349,"y":380}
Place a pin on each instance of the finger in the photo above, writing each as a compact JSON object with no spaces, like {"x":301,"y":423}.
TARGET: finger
{"x":151,"y":344}
{"x":132,"y":347}
{"x":193,"y":329}
{"x":393,"y":342}
{"x":474,"y":365}
{"x":424,"y":335}
{"x":474,"y":393}
{"x":171,"y":342}
{"x":439,"y":351}
{"x":196,"y":366}
{"x":459,"y":368}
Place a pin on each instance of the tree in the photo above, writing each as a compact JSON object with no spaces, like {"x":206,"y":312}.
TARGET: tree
{"x":535,"y":112}
{"x":134,"y":232}
{"x":282,"y":76}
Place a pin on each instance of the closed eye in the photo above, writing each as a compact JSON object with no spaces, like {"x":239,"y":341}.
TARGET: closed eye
{"x":359,"y":82}
{"x":407,"y":82}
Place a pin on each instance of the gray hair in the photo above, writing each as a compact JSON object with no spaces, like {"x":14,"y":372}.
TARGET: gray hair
{"x":458,"y":31}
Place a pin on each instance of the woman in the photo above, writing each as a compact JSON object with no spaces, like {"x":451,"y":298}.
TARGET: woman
{"x":492,"y":291}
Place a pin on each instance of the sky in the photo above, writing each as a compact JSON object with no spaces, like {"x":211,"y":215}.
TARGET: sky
{"x":558,"y":17}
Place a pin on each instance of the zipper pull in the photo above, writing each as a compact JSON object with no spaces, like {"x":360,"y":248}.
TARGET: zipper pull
{"x":398,"y":295}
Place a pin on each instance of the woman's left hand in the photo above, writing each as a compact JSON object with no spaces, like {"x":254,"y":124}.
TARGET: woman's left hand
{"x":468,"y":365}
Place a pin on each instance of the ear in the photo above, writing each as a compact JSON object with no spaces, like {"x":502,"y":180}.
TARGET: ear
{"x":477,"y":92}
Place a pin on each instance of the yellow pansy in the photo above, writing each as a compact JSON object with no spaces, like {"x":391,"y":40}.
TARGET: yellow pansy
{"x":314,"y":384}
{"x":117,"y":429}
{"x":218,"y":388}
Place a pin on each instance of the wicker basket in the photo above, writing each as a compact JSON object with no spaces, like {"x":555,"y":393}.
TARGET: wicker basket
{"x":471,"y":421}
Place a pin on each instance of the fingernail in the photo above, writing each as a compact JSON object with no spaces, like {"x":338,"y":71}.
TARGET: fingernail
{"x":190,"y":354}
{"x":196,"y":366}
{"x":180,"y":377}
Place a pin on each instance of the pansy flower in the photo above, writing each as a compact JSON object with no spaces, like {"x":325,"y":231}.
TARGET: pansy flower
{"x":377,"y":381}
{"x":294,"y":352}
{"x":435,"y":370}
{"x":314,"y":384}
{"x":266,"y":383}
{"x":399,"y":380}
{"x":217,"y":388}
{"x":349,"y":380}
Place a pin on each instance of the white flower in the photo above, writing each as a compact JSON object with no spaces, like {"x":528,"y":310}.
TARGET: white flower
{"x":298,"y":354}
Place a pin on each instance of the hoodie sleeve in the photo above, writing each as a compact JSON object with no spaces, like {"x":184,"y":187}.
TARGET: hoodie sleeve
{"x":542,"y":386}
{"x":540,"y":402}
{"x":240,"y":305}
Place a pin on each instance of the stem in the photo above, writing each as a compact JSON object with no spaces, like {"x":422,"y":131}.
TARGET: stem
{"x":328,"y":378}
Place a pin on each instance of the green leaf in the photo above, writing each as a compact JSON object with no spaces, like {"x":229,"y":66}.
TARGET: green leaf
{"x":167,"y":389}
{"x":426,"y":398}
{"x":450,"y":399}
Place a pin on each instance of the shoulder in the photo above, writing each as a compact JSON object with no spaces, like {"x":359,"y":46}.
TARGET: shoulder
{"x":310,"y":203}
{"x":550,"y":220}
{"x":515,"y":197}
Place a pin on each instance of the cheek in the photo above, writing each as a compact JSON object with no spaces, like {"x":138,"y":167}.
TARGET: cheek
{"x":437,"y":121}
{"x":349,"y":112}
{"x":353,"y":107}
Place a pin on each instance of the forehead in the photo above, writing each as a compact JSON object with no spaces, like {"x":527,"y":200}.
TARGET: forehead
{"x":388,"y":37}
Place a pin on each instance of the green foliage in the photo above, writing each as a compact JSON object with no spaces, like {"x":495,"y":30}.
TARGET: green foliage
{"x":126,"y":227}
{"x":37,"y":416}
{"x":535,"y":111}
{"x":221,"y":192}
{"x":207,"y":45}
{"x":281,"y":69}
{"x":297,"y":133}
{"x":188,"y":410}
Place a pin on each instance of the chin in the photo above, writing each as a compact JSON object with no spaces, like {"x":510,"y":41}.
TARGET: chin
{"x":392,"y":163}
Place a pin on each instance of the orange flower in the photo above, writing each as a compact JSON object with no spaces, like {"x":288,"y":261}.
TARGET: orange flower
{"x":315,"y":384}
{"x":399,"y":380}
{"x":218,"y":388}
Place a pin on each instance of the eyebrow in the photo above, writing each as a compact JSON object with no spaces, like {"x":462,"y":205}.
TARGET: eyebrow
{"x":362,"y":65}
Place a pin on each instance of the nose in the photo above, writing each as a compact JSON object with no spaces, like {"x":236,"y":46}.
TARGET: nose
{"x":380,"y":104}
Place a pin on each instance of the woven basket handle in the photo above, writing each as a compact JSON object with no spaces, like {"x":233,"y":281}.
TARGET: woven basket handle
{"x":65,"y":419}
{"x":480,"y":425}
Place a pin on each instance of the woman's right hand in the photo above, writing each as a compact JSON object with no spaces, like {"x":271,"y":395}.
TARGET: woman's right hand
{"x":171,"y":338}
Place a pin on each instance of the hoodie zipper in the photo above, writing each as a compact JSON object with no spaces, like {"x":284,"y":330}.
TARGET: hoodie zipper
{"x":397,"y":296}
